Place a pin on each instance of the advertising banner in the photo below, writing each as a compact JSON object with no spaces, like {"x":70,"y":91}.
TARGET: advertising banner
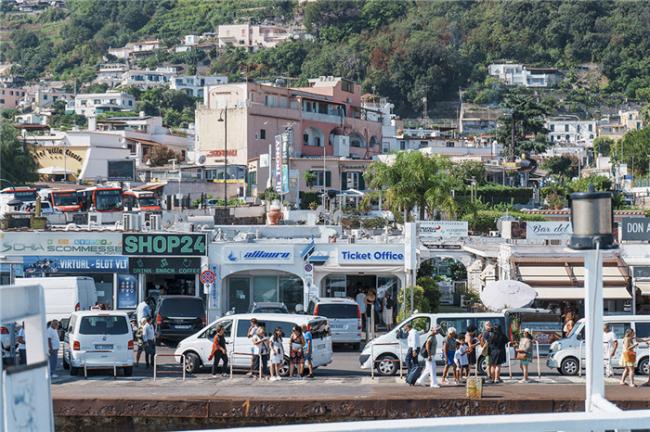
{"x":127,"y":291}
{"x":277,"y":168}
{"x":371,"y":255}
{"x":60,"y":243}
{"x":637,"y":228}
{"x":164,"y":266}
{"x":165,"y":244}
{"x":442,"y":229}
{"x":258,"y":255}
{"x":37,"y":265}
{"x":548,"y":230}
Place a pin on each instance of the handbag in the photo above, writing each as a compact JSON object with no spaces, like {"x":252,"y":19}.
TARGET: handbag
{"x":521,"y":355}
{"x":629,"y":357}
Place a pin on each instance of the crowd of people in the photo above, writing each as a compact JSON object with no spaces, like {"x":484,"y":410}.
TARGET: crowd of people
{"x":383,"y":308}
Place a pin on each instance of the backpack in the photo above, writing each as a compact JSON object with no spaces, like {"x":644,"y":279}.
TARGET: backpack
{"x":423,"y":350}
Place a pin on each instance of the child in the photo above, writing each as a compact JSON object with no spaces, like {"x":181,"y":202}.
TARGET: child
{"x":464,"y":358}
{"x":277,"y":354}
{"x":457,"y":363}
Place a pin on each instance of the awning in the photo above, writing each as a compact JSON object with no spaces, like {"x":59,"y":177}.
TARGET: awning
{"x":368,"y":269}
{"x":644,"y":287}
{"x":568,"y":275}
{"x":318,"y":259}
{"x":552,"y":275}
{"x":53,"y":171}
{"x":560,"y":293}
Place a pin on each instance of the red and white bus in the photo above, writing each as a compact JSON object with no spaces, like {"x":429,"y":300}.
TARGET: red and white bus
{"x":144,"y":201}
{"x":106,"y":199}
{"x":63,"y":200}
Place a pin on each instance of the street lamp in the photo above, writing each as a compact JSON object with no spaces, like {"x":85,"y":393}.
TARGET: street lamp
{"x":223,"y":117}
{"x":591,"y":219}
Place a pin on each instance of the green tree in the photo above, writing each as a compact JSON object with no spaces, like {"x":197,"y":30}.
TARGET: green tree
{"x":564,"y":166}
{"x":161,"y":155}
{"x":467,"y":170}
{"x":634,"y":150}
{"x":414,"y":179}
{"x":524,"y":117}
{"x":603,"y":145}
{"x":17,"y":164}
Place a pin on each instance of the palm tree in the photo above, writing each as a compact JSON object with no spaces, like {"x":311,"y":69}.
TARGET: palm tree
{"x":415,"y":180}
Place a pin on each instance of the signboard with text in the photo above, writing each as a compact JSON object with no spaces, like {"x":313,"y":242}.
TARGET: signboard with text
{"x":164,"y":244}
{"x":258,"y":255}
{"x":371,"y":255}
{"x":642,"y":272}
{"x":548,"y":230}
{"x":442,"y":229}
{"x":127,"y":291}
{"x":60,"y":243}
{"x":637,"y":228}
{"x":121,"y":170}
{"x":164,"y":266}
{"x":37,"y":265}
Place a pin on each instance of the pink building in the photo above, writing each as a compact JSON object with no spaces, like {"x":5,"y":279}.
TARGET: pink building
{"x":326,"y":118}
{"x":11,"y":97}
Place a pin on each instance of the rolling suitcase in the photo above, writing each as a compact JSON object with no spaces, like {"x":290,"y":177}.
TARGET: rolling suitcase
{"x":413,"y":375}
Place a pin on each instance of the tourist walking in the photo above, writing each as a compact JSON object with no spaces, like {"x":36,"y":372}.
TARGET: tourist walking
{"x":277,"y":354}
{"x":260,"y":352}
{"x":143,"y":310}
{"x":429,"y":353}
{"x":53,"y":344}
{"x":361,"y":301}
{"x":610,"y":346}
{"x":497,"y":348}
{"x":370,"y":309}
{"x":387,"y":310}
{"x":308,"y":349}
{"x":525,"y":353}
{"x":448,"y":352}
{"x":484,"y":340}
{"x":149,"y":339}
{"x":461,"y":361}
{"x":219,"y":352}
{"x":413,"y":348}
{"x":139,"y":342}
{"x":252,"y":331}
{"x":472,"y":342}
{"x":296,"y":344}
{"x":628,"y":358}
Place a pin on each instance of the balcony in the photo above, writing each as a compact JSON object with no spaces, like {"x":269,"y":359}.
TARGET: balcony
{"x":325,"y":118}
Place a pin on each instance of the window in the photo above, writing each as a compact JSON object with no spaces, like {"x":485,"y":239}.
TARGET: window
{"x":591,"y":127}
{"x":568,"y":138}
{"x":347,"y":86}
{"x":265,"y":289}
{"x":424,"y":144}
{"x":130,"y":103}
{"x":402,"y":145}
{"x":578,"y":128}
{"x":44,"y":97}
{"x":227,"y":327}
{"x":262,"y":133}
{"x":480,"y":323}
{"x":336,"y":310}
{"x":552,"y":128}
{"x":242,"y":328}
{"x":642,"y":330}
{"x":290,"y":291}
{"x":103,"y":325}
{"x":97,"y":101}
{"x":619,"y":329}
{"x":566,"y":128}
{"x":421,"y":324}
{"x":460,"y":324}
{"x":319,"y":178}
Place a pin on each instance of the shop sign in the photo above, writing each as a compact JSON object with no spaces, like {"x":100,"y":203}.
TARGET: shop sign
{"x":258,"y":256}
{"x":60,"y":243}
{"x":127,"y":291}
{"x":377,"y":255}
{"x":548,"y":230}
{"x":164,"y":266}
{"x":164,"y":244}
{"x":442,"y":229}
{"x":637,"y":228}
{"x":641,"y":272}
{"x":35,"y":265}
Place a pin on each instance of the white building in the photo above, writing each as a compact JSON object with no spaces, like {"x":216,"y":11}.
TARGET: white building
{"x":379,"y":109}
{"x":147,"y":78}
{"x":90,"y":104}
{"x":44,"y":95}
{"x":571,"y":130}
{"x":522,"y":75}
{"x":111,"y":73}
{"x":194,"y":85}
{"x":252,"y":37}
{"x":135,"y":49}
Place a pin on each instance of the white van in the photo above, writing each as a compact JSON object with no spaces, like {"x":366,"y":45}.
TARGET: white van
{"x":197,"y":347}
{"x":344,"y":316}
{"x":64,"y":295}
{"x":385,"y":349}
{"x":98,"y":340}
{"x":564,"y":354}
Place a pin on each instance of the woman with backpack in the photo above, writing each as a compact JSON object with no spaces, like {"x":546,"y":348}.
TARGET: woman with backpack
{"x":428,"y":352}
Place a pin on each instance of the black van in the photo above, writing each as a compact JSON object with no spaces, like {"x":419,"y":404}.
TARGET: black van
{"x":178,"y":316}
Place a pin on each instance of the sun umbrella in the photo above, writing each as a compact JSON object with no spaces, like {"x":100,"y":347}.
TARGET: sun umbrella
{"x":499,"y":295}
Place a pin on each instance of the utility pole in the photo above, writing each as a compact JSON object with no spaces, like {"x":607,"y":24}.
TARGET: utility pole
{"x":224,"y":119}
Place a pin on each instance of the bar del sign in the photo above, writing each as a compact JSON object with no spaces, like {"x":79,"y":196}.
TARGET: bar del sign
{"x":164,"y":244}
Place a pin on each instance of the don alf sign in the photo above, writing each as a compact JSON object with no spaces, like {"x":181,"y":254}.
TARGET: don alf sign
{"x":635,"y":229}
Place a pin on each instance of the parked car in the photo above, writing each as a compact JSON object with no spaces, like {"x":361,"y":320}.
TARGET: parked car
{"x":344,"y":316}
{"x":98,"y":340}
{"x":63,"y":295}
{"x":564,"y":354}
{"x":268,"y":307}
{"x":178,"y":316}
{"x":197,"y":347}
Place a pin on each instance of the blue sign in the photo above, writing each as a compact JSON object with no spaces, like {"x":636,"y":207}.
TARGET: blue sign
{"x":127,"y":291}
{"x":40,"y":265}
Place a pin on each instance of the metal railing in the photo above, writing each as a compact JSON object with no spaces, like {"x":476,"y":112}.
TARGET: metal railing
{"x":155,"y":363}
{"x":259,"y":361}
{"x":98,"y":366}
{"x":511,"y":345}
{"x":374,"y":362}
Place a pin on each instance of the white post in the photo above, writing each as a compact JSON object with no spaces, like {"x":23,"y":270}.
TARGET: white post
{"x":595,"y":384}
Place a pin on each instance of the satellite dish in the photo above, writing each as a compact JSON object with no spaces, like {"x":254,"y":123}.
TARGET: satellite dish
{"x":201,"y":159}
{"x":499,"y":295}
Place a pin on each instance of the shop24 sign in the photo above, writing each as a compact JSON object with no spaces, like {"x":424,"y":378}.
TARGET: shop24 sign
{"x":164,"y":244}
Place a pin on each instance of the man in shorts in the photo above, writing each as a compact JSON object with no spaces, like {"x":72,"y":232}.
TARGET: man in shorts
{"x":484,"y":339}
{"x":308,"y":349}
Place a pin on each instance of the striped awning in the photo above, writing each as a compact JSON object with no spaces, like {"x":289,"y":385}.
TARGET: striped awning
{"x":644,"y":286}
{"x":566,"y":293}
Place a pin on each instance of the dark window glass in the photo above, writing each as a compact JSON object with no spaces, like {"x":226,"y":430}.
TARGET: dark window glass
{"x":182,"y":307}
{"x":344,"y":311}
{"x":642,"y":330}
{"x":319,"y":329}
{"x":103,"y":325}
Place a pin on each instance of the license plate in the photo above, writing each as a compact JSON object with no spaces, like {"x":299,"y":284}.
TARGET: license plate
{"x":104,"y":347}
{"x":183,"y":327}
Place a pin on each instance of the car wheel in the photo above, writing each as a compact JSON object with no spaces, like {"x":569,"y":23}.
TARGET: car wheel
{"x":644,"y":367}
{"x":192,"y":362}
{"x":284,"y":368}
{"x":482,"y":366}
{"x":570,"y":366}
{"x":74,"y":371}
{"x":560,"y":371}
{"x":128,"y":371}
{"x":386,"y":365}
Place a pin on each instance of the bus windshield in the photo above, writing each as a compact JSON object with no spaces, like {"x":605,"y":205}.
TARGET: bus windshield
{"x":147,"y":201}
{"x":107,"y":200}
{"x":25,"y":195}
{"x":65,"y":198}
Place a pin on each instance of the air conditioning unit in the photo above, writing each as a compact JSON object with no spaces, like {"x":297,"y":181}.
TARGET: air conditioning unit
{"x":155,"y":222}
{"x":131,"y":222}
{"x":94,"y":219}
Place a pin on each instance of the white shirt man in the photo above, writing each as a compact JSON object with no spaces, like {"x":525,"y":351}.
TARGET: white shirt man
{"x":413,"y":339}
{"x":143,"y":310}
{"x":610,"y":345}
{"x":361,"y":301}
{"x":148,"y":333}
{"x":53,"y":346}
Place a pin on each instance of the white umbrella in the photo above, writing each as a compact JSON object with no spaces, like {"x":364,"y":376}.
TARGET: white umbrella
{"x":499,"y":295}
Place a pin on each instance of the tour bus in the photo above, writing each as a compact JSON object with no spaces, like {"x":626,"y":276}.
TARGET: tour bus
{"x":564,"y":353}
{"x":26,"y":194}
{"x":383,"y":351}
{"x":63,"y":200}
{"x":102,"y":198}
{"x":144,"y":201}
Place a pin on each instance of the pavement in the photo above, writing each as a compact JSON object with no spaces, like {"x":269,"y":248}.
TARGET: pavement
{"x":340,"y":391}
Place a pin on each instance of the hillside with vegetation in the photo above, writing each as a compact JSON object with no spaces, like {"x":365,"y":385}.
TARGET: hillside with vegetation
{"x":404,"y":50}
